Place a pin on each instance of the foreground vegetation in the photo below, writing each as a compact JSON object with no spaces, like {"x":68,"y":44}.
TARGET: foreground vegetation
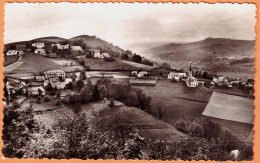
{"x":82,"y":136}
{"x":77,"y":137}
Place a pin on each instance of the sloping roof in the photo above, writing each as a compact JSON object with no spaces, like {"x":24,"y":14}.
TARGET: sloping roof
{"x":230,"y":107}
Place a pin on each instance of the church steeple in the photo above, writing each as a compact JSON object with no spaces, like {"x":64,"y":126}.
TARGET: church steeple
{"x":190,"y":71}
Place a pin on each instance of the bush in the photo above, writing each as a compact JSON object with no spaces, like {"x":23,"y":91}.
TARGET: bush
{"x":110,"y":59}
{"x":137,"y":58}
{"x":39,"y":100}
{"x":112,"y":103}
{"x":53,"y":92}
{"x":82,"y":62}
{"x":87,"y":67}
{"x":58,"y":103}
{"x":46,"y":99}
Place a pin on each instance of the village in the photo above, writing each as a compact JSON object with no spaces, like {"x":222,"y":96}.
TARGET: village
{"x":72,"y":84}
{"x":58,"y":79}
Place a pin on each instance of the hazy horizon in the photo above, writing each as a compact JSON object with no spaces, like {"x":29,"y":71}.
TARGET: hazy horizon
{"x":130,"y":23}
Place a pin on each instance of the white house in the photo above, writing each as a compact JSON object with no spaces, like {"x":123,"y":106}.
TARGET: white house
{"x":58,"y":85}
{"x":134,"y":73}
{"x":39,"y":78}
{"x":35,"y":91}
{"x":59,"y":46}
{"x":40,"y":51}
{"x":38,"y":45}
{"x":54,"y":73}
{"x":64,"y":46}
{"x":142,"y":74}
{"x":76,"y":48}
{"x":176,"y":75}
{"x":97,"y":54}
{"x":105,"y":55}
{"x":14,"y":52}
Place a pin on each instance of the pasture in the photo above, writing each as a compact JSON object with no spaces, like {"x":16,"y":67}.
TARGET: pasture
{"x":10,"y":59}
{"x":176,"y":99}
{"x":101,"y":64}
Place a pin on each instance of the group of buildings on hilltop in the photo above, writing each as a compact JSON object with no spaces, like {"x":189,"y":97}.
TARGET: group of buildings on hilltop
{"x":40,"y":48}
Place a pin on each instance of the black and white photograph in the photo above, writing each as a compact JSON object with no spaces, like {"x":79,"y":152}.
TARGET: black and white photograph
{"x":120,"y":81}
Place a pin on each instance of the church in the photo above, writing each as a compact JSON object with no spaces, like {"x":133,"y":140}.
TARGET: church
{"x":191,"y":81}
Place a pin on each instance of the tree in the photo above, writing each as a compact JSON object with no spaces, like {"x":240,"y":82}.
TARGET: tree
{"x":73,"y":77}
{"x":83,"y":75}
{"x":125,"y":56}
{"x":80,"y":84}
{"x":137,"y":58}
{"x":6,"y":94}
{"x":112,"y":103}
{"x":166,"y":66}
{"x":205,"y":74}
{"x":69,"y":86}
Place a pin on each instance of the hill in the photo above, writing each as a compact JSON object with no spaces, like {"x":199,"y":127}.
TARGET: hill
{"x":148,"y":125}
{"x":93,"y":42}
{"x":89,"y":42}
{"x":142,"y":47}
{"x":204,"y":50}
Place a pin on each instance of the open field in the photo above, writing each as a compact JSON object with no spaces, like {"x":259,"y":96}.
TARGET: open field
{"x":12,"y":66}
{"x":230,"y":107}
{"x":35,"y":63}
{"x":10,"y":59}
{"x":177,"y":99}
{"x":101,"y":64}
{"x":64,"y":62}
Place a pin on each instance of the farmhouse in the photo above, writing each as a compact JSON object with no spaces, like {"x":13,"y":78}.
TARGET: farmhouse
{"x":58,"y":85}
{"x":54,"y":73}
{"x":14,"y":52}
{"x":235,"y":81}
{"x":39,"y":78}
{"x":142,"y":74}
{"x":97,"y":54}
{"x":134,"y":73}
{"x":176,"y":75}
{"x":191,"y":81}
{"x":64,"y":46}
{"x":59,"y":46}
{"x":55,"y":45}
{"x":40,"y":51}
{"x":76,"y":48}
{"x":105,"y":55}
{"x":38,"y":45}
{"x":35,"y":91}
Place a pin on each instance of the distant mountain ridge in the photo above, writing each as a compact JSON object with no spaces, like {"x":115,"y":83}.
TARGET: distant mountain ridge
{"x":206,"y":49}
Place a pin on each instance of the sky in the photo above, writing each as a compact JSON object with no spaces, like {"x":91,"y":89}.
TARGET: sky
{"x":128,"y":23}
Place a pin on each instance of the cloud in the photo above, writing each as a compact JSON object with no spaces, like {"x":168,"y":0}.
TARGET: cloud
{"x":123,"y":23}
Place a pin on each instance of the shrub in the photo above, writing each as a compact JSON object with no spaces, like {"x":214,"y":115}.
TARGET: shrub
{"x":110,"y":59}
{"x":53,"y":92}
{"x":82,"y":62}
{"x":39,"y":100}
{"x":112,"y":103}
{"x":58,"y":103}
{"x":46,"y":99}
